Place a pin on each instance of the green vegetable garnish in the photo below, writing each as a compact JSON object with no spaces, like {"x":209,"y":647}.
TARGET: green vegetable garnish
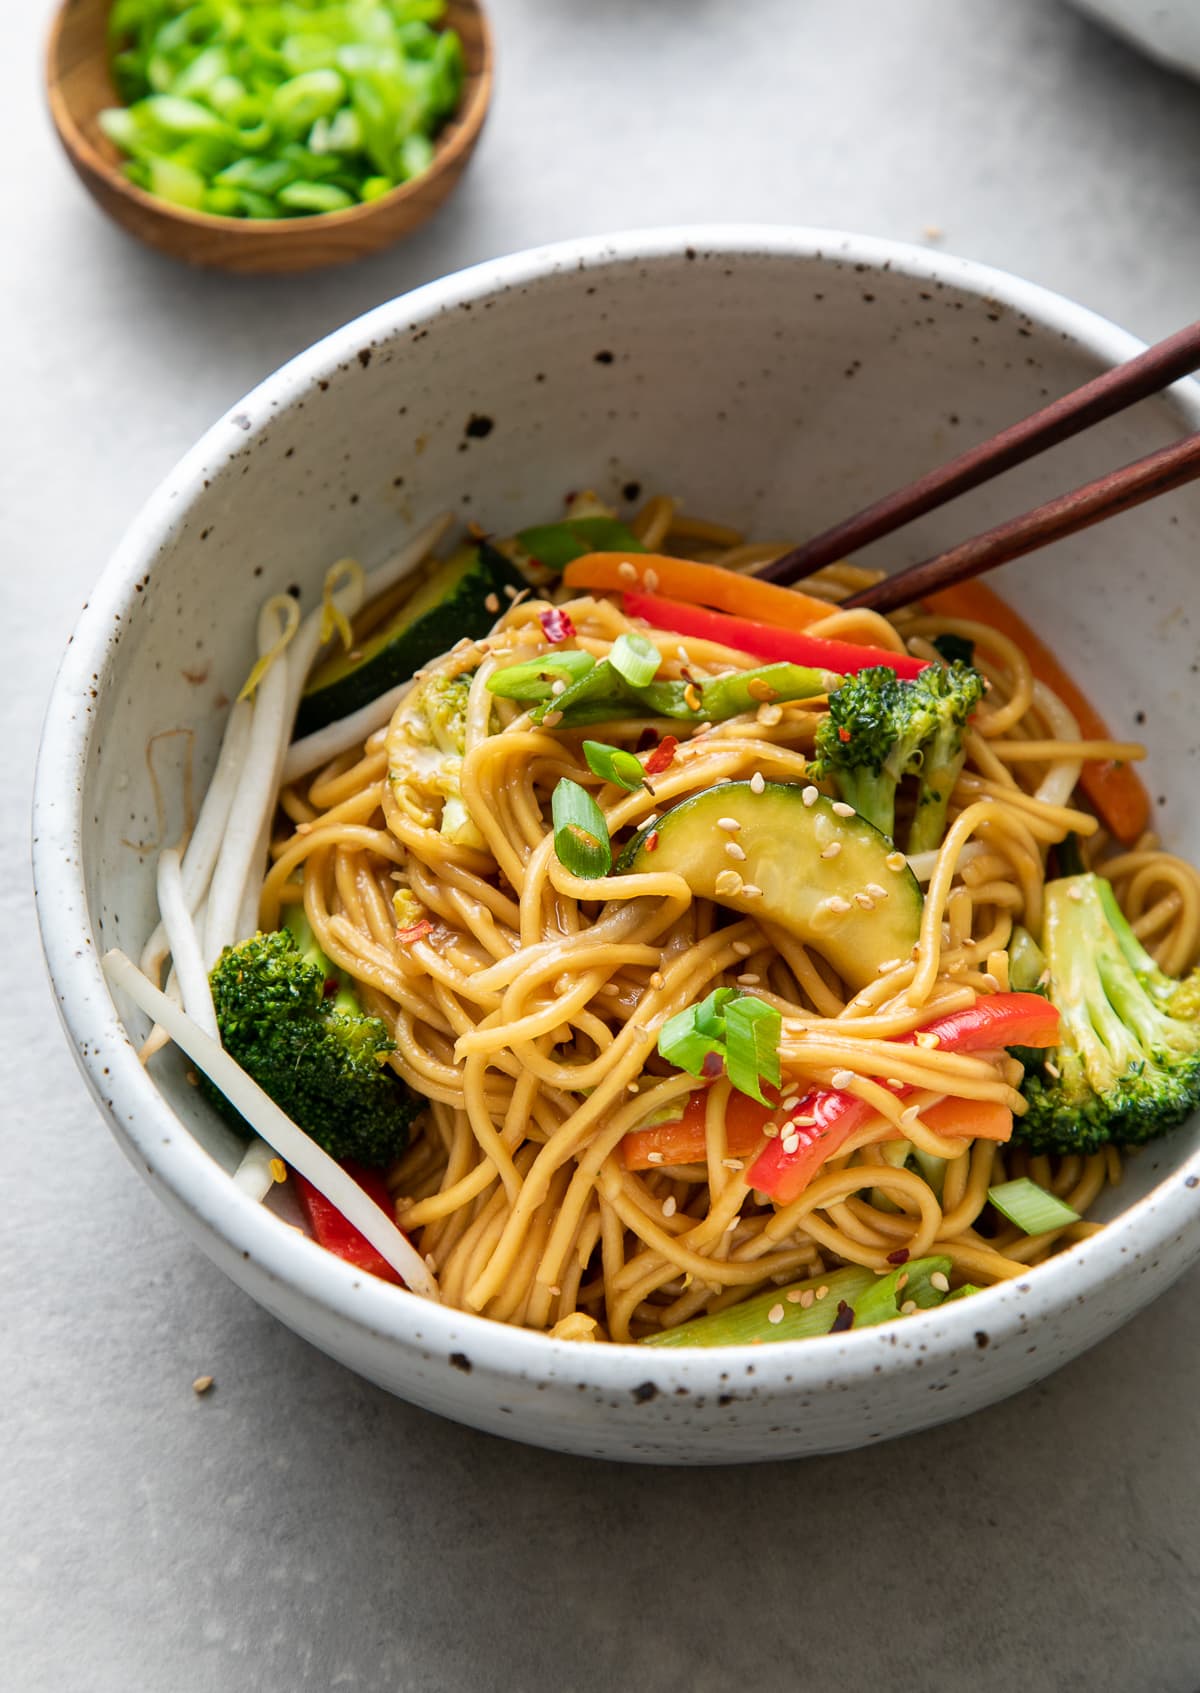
{"x":614,"y":764}
{"x":839,"y":1300}
{"x":279,"y":108}
{"x":554,"y":545}
{"x":737,"y":1028}
{"x":535,"y":679}
{"x":581,"y":840}
{"x":635,"y":659}
{"x":1030,"y":1207}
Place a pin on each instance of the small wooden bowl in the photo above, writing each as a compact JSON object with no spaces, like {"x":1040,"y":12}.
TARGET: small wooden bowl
{"x":80,"y":87}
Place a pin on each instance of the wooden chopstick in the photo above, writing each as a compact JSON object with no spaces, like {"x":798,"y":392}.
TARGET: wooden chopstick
{"x":1103,"y":397}
{"x":1158,"y":473}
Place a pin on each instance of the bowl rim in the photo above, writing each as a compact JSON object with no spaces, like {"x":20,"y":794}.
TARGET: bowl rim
{"x":158,"y":1142}
{"x":453,"y":143}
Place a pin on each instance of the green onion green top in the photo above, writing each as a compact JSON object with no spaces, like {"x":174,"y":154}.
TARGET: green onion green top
{"x":279,"y":108}
{"x":737,"y":1028}
{"x":581,"y":841}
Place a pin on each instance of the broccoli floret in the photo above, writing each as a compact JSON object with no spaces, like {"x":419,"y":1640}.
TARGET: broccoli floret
{"x":879,"y":730}
{"x":291,"y":1021}
{"x":1128,"y":1064}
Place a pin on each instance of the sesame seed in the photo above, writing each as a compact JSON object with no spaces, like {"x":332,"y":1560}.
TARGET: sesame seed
{"x":832,"y":850}
{"x":842,"y":1078}
{"x":733,"y":850}
{"x":990,"y":981}
{"x":729,"y":823}
{"x":901,"y":1281}
{"x":837,"y":905}
{"x":658,"y":980}
{"x":1075,"y":892}
{"x":304,"y":828}
{"x":728,"y":882}
{"x":821,"y":1292}
{"x":631,"y":1087}
{"x":769,"y":715}
{"x":743,"y":949}
{"x":894,"y":1083}
{"x":757,"y":783}
{"x":654,"y":1157}
{"x":702,"y":729}
{"x":896,"y":862}
{"x":682,"y":654}
{"x":841,"y":809}
{"x":876,"y":892}
{"x":790,"y":1143}
{"x":941,"y":1281}
{"x":865,"y":900}
{"x":1051,"y":1068}
{"x":803,"y":1122}
{"x":626,"y":571}
{"x":752,"y":890}
{"x":551,"y":719}
{"x":492,"y":604}
{"x":926,"y":1038}
{"x":806,"y":1298}
{"x":669,"y":1206}
{"x":559,"y":687}
{"x":811,"y":795}
{"x":910,"y":1115}
{"x":733,"y":1163}
{"x":749,"y":980}
{"x":907,"y":1309}
{"x":650,"y":581}
{"x":888,"y":965}
{"x":510,"y":593}
{"x":771,"y":1130}
{"x":202,"y":1384}
{"x":775,"y":1314}
{"x":795,"y":1296}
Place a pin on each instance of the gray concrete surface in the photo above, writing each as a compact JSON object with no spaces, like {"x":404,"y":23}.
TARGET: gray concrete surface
{"x":296,"y":1529}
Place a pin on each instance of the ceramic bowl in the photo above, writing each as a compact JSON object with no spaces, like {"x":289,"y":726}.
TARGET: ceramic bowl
{"x":773,"y":378}
{"x":1170,"y":34}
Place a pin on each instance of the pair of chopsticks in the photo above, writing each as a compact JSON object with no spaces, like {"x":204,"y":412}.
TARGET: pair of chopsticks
{"x":1159,"y":473}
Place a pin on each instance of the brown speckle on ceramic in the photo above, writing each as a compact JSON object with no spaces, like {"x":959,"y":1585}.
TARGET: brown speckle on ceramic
{"x":312,"y":475}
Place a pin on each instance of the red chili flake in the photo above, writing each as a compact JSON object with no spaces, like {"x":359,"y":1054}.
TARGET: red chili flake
{"x":843,"y":736}
{"x":414,"y":932}
{"x":844,"y":1319}
{"x":662,"y":756}
{"x":898,"y":1257}
{"x":647,"y":739}
{"x":556,"y":625}
{"x":712,"y":1067}
{"x":331,"y":987}
{"x":651,"y":841}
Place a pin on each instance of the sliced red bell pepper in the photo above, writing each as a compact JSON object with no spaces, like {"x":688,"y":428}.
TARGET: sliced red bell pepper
{"x":996,"y":1021}
{"x":766,"y":640}
{"x":332,"y":1231}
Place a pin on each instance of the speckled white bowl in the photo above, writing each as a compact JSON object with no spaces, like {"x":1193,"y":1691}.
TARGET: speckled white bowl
{"x":774,"y":378}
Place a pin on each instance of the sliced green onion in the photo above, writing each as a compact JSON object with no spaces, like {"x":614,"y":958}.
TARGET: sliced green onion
{"x":599,"y":696}
{"x":752,"y":1029}
{"x":614,"y":764}
{"x":1030,"y":1207}
{"x":554,"y":545}
{"x":581,"y":840}
{"x":815,"y":1307}
{"x":635,"y":658}
{"x":314,"y":197}
{"x":535,"y":679}
{"x":738,"y":1028}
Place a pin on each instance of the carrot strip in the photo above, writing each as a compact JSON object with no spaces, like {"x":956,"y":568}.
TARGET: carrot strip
{"x":684,"y":1141}
{"x":698,"y":584}
{"x":965,"y":1119}
{"x":1115,"y":790}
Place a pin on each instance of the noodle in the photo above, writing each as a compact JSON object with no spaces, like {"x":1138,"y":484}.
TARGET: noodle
{"x":527,"y":1011}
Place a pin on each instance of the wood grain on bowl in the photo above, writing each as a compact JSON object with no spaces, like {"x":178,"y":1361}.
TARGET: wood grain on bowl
{"x":80,"y":87}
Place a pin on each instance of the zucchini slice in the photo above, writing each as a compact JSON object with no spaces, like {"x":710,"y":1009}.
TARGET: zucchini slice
{"x":446,"y":604}
{"x":851,"y":906}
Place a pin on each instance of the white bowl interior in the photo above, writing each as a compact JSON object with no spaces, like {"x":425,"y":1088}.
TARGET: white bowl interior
{"x":776,"y":388}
